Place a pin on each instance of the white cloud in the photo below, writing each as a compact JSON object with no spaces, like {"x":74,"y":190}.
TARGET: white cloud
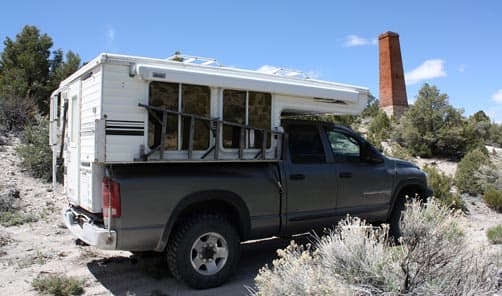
{"x":110,"y":35}
{"x":428,"y":70}
{"x":461,"y":68}
{"x":354,"y":40}
{"x":497,"y":97}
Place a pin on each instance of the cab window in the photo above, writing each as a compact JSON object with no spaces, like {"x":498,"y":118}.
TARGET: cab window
{"x":305,"y":145}
{"x":344,"y":146}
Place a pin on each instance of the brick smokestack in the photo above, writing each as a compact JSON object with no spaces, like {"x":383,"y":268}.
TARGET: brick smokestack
{"x":393,"y":100}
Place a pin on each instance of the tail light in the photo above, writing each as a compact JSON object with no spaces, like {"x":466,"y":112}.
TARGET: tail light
{"x":111,"y":198}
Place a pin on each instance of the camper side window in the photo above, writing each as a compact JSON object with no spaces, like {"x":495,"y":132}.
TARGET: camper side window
{"x":247,"y":108}
{"x":234,"y":110}
{"x":259,"y":110}
{"x":163,"y":95}
{"x":194,"y":99}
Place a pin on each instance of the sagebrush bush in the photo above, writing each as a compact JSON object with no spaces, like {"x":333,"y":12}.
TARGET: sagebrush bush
{"x":35,"y":153}
{"x":493,"y":199}
{"x":298,"y":271}
{"x":467,"y":178}
{"x":58,"y":285}
{"x":358,"y":259}
{"x":441,"y":185}
{"x":494,"y":234}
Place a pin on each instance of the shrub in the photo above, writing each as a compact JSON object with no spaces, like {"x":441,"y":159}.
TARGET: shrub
{"x":493,"y":199}
{"x":466,"y":177}
{"x":398,"y":151}
{"x":35,"y":153}
{"x":298,"y":271}
{"x":494,"y":234}
{"x":379,"y":129}
{"x":10,"y":215}
{"x":441,"y":185}
{"x":495,"y":135}
{"x":58,"y":285}
{"x":357,"y":259}
{"x":16,"y":217}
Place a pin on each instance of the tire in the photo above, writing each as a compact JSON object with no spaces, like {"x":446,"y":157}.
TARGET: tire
{"x":395,"y":219}
{"x":203,"y":251}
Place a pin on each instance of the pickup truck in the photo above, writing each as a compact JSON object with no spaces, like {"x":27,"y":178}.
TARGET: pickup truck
{"x":198,"y":213}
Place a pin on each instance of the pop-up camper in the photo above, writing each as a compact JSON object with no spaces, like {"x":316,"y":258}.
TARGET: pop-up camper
{"x":126,"y":110}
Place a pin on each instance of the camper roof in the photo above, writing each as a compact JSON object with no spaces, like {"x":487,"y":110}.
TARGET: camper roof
{"x":205,"y":71}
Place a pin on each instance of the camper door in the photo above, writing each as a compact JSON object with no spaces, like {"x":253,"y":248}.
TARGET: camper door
{"x":73,"y":143}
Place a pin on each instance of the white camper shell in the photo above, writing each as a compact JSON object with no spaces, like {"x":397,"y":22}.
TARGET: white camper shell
{"x":119,"y":110}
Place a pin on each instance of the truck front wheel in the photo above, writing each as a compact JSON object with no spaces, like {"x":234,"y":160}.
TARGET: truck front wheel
{"x":204,"y":251}
{"x":395,"y":219}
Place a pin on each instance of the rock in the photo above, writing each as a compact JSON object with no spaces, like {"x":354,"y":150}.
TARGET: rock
{"x":14,"y":193}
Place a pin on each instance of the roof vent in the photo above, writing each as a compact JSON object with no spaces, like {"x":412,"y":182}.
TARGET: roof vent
{"x":194,"y":60}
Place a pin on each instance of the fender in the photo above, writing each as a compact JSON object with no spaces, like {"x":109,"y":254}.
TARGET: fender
{"x":230,"y":198}
{"x":414,"y":182}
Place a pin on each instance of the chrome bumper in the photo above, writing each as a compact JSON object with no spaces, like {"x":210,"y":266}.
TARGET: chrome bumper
{"x":90,"y":233}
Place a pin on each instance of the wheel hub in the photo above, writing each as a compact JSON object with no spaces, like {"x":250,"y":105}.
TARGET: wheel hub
{"x":209,"y":253}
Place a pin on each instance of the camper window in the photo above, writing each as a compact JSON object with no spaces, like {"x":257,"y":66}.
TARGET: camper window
{"x":195,"y":99}
{"x":259,"y":109}
{"x":234,"y":110}
{"x":164,"y":95}
{"x":250,"y":108}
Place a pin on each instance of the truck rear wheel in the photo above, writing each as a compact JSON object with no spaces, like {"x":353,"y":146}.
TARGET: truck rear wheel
{"x":204,"y":251}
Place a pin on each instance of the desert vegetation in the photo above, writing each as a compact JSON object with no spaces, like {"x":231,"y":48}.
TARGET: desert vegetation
{"x":356,"y":258}
{"x":58,"y":285}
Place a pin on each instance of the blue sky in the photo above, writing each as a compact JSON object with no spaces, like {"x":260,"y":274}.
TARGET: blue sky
{"x":455,"y":45}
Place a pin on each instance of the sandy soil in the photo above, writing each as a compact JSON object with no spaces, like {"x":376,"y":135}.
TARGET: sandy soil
{"x":46,"y":247}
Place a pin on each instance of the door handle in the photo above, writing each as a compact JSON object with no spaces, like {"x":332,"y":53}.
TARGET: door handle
{"x":297,"y":177}
{"x":345,"y":175}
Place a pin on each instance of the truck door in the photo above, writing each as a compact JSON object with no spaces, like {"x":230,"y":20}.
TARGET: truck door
{"x":364,"y":183}
{"x":310,"y":180}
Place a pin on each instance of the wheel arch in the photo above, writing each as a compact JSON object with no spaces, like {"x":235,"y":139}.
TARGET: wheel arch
{"x":408,"y":187}
{"x":228,"y":203}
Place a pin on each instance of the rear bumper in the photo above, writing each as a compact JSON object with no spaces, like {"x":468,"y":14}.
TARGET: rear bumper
{"x":92,"y":234}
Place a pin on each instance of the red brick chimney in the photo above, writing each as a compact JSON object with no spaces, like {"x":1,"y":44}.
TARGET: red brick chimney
{"x":393,"y":100}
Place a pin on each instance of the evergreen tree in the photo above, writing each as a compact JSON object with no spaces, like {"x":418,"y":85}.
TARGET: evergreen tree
{"x":24,"y":67}
{"x":28,"y":75}
{"x":432,"y":126}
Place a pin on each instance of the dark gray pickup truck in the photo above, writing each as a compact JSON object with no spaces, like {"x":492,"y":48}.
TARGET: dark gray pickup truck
{"x":198,"y":213}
